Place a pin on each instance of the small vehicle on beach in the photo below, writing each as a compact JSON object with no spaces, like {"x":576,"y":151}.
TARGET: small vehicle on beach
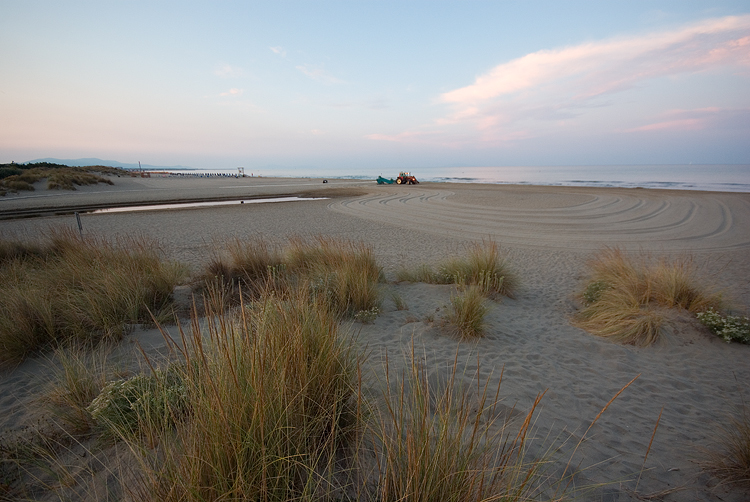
{"x":403,"y":178}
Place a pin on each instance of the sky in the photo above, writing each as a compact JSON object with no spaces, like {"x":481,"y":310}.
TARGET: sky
{"x":376,"y":84}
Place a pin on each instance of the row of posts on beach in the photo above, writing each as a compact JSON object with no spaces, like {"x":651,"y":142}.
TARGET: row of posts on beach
{"x":240,"y":174}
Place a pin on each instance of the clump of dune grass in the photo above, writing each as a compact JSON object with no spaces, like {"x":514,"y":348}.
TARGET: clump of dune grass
{"x":398,"y":301}
{"x":730,"y":461}
{"x":467,"y":311}
{"x":273,"y":404}
{"x":420,"y":273}
{"x":483,"y":266}
{"x":249,"y":263}
{"x":80,"y":289}
{"x":442,"y":442}
{"x":342,"y":273}
{"x":345,"y":272}
{"x":626,"y":297}
{"x":69,"y":179}
{"x":79,"y":377}
{"x":19,"y":249}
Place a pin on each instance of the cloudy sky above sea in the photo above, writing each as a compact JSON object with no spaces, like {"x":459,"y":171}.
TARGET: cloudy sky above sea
{"x":376,"y":84}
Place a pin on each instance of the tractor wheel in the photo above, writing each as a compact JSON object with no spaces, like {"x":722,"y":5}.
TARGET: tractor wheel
{"x":398,"y":181}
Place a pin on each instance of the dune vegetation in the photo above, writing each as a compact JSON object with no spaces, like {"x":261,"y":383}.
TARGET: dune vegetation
{"x":729,"y":460}
{"x":264,"y":400}
{"x":265,"y":395}
{"x":344,"y":274}
{"x":627,"y":297}
{"x":483,"y":266}
{"x":71,"y":288}
{"x":15,"y":177}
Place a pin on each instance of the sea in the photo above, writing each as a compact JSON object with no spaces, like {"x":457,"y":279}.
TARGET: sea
{"x":714,"y":177}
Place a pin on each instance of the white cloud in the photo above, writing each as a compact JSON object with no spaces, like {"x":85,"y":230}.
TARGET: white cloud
{"x":233,"y":92}
{"x":278,"y":50}
{"x":225,"y":70}
{"x":318,"y":74}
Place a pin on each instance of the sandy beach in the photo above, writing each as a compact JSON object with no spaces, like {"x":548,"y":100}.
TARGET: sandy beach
{"x":548,"y":234}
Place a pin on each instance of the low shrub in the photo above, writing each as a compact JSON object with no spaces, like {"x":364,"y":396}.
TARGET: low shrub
{"x":729,"y":327}
{"x":142,"y":404}
{"x":367,"y":316}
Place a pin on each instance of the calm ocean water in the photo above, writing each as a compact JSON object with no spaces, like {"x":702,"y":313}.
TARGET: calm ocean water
{"x":721,"y":178}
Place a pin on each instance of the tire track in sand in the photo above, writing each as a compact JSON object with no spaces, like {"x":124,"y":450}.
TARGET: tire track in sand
{"x":693,"y":221}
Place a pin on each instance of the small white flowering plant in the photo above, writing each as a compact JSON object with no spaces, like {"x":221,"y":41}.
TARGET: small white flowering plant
{"x":730,"y":328}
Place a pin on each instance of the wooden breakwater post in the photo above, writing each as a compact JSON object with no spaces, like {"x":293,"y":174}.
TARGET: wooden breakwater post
{"x":80,"y":227}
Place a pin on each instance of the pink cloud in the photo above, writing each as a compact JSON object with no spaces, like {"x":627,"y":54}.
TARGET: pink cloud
{"x":553,"y":91}
{"x":613,"y":65}
{"x":673,"y":125}
{"x":698,"y":119}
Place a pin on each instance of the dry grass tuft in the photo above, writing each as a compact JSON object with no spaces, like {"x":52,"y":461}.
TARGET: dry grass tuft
{"x":71,"y":288}
{"x":467,"y":311}
{"x":483,"y":267}
{"x":624,"y":296}
{"x":273,"y":405}
{"x":80,"y":375}
{"x":344,"y":274}
{"x":731,"y":462}
{"x":445,"y":443}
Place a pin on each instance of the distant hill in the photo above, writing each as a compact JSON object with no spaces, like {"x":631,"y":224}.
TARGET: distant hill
{"x":100,"y":162}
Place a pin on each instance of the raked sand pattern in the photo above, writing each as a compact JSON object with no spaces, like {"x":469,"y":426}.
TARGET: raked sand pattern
{"x":547,"y":234}
{"x":571,"y":218}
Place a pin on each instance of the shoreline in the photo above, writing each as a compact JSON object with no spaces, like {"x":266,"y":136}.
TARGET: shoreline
{"x":137,"y":191}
